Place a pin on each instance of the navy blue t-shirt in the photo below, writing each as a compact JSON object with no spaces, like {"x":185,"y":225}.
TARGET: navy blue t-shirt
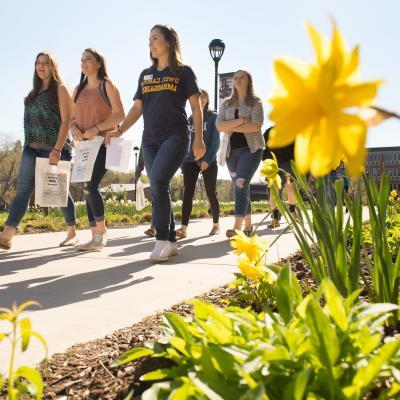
{"x":164,"y":97}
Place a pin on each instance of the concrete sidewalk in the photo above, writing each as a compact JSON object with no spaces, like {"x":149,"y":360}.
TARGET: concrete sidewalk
{"x":85,"y":296}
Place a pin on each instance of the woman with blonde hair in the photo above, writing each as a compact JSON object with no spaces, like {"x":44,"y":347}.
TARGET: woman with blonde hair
{"x":241,"y":117}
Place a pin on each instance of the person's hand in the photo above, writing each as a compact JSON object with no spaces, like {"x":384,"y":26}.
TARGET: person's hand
{"x":91,"y":133}
{"x":111,"y":134}
{"x":54,"y":157}
{"x":76,"y":133}
{"x":199,"y":149}
{"x":203,"y":165}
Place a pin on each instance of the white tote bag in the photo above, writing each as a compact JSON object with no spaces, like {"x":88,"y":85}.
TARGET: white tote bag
{"x":140,"y":197}
{"x":51,"y":183}
{"x":85,"y":156}
{"x":223,"y":148}
{"x":118,"y":155}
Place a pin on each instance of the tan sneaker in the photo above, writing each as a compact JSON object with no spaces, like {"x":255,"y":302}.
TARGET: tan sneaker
{"x":88,"y":246}
{"x":97,"y":243}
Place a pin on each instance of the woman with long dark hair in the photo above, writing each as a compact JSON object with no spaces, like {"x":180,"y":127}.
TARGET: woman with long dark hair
{"x":241,"y":116}
{"x":97,"y":112}
{"x":161,"y":96}
{"x":207,"y":166}
{"x":46,"y":120}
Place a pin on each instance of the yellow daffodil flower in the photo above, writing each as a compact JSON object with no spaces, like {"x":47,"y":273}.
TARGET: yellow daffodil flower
{"x":393,"y":193}
{"x":252,"y":246}
{"x":270,"y":170}
{"x":314,"y":106}
{"x":250,"y":269}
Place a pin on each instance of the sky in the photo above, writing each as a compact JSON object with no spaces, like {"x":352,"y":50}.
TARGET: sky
{"x":255,"y":32}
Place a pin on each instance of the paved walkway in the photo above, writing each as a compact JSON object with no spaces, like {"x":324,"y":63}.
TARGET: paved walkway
{"x":85,"y":296}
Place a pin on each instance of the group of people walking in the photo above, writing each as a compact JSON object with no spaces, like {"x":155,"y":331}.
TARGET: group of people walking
{"x":170,"y":140}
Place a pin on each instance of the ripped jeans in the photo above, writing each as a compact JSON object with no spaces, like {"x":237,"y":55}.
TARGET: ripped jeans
{"x":242,"y":165}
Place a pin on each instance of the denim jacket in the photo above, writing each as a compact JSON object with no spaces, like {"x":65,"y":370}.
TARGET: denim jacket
{"x":210,"y":137}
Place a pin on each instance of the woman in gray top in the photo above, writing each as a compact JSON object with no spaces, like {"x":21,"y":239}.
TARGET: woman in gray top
{"x":240,"y":118}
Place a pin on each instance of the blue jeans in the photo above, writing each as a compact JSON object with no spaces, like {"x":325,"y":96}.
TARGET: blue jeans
{"x":91,"y":189}
{"x":242,"y":165}
{"x":161,"y":161}
{"x":26,"y":186}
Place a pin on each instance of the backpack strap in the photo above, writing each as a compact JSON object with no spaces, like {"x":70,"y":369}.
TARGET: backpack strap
{"x":103,"y":93}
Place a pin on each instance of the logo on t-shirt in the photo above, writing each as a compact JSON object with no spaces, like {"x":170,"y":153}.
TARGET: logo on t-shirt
{"x":151,"y":84}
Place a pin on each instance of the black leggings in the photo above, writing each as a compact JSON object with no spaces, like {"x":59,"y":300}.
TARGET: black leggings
{"x":191,"y":173}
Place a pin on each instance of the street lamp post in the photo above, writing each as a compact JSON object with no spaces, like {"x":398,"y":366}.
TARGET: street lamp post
{"x":217,"y":48}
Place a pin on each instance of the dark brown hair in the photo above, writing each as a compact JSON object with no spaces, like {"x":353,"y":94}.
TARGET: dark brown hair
{"x":55,"y":80}
{"x":175,"y":55}
{"x":102,"y":73}
{"x":206,"y":108}
{"x":251,"y":97}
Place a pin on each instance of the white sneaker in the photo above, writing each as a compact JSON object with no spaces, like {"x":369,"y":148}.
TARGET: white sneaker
{"x":163,"y":249}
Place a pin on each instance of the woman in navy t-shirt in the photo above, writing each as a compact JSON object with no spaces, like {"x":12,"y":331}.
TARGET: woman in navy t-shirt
{"x":161,"y":96}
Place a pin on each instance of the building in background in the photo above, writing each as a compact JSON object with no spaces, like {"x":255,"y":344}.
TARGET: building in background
{"x":225,"y":85}
{"x":384,"y":159}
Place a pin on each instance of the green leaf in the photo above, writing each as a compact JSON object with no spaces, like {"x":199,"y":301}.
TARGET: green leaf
{"x":206,"y":389}
{"x":27,"y":304}
{"x":335,"y":304}
{"x":183,"y":392}
{"x":374,"y":310}
{"x":300,"y":385}
{"x":35,"y":386}
{"x":288,"y":293}
{"x":163,"y":373}
{"x":179,"y":344}
{"x":323,"y":334}
{"x":298,"y":388}
{"x":224,"y":362}
{"x":366,"y":374}
{"x":257,"y":393}
{"x":25,"y":325}
{"x":131,"y":355}
{"x":179,"y":326}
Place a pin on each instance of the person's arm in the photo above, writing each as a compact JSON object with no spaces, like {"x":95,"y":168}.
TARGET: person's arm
{"x":198,"y":145}
{"x":215,"y":141}
{"x":65,"y":106}
{"x":255,"y":123}
{"x":224,"y":125}
{"x":114,"y":120}
{"x":75,"y":131}
{"x":133,"y":115}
